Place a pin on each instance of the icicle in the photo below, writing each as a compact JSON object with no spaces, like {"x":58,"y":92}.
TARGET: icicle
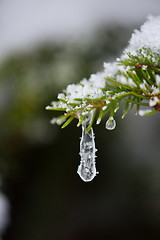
{"x":87,"y":168}
{"x":111,"y":123}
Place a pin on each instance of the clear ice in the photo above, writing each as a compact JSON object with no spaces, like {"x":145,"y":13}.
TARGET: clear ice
{"x":87,"y":168}
{"x":111,"y":123}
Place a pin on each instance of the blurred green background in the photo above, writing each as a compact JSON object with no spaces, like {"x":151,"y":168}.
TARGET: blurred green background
{"x":38,"y":161}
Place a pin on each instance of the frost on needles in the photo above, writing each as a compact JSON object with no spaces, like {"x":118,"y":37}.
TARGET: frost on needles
{"x":133,"y":79}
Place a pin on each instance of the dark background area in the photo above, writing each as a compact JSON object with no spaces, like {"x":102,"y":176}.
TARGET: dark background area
{"x":38,"y":161}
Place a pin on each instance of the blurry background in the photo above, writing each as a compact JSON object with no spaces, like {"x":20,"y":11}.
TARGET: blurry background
{"x":45,"y":45}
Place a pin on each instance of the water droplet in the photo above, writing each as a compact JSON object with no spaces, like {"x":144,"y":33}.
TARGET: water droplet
{"x":87,"y":168}
{"x":111,"y":123}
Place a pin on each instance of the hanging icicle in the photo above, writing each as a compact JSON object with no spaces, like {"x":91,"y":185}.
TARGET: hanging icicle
{"x":87,"y":168}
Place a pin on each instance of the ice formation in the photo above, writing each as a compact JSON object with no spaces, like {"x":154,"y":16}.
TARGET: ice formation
{"x":87,"y":168}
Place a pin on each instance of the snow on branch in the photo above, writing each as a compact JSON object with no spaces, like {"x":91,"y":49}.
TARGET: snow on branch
{"x":133,"y":79}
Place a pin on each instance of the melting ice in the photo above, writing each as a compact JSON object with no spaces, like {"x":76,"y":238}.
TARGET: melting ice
{"x":111,"y":123}
{"x":87,"y":168}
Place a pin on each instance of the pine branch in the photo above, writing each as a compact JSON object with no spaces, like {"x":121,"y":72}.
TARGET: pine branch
{"x":134,"y":77}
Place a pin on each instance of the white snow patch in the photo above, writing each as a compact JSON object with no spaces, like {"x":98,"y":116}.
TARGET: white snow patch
{"x":153,"y":102}
{"x":144,"y":112}
{"x":147,"y":37}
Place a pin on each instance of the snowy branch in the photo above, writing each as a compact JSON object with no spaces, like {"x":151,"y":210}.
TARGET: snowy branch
{"x":134,"y":78}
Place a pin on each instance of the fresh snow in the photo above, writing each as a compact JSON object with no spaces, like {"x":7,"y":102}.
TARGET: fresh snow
{"x":147,"y":37}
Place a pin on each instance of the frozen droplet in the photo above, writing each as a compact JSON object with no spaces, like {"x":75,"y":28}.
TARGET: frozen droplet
{"x":87,"y":168}
{"x":105,"y":107}
{"x":98,"y":121}
{"x":111,"y":123}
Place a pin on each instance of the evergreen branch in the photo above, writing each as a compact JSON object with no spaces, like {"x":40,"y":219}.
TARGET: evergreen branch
{"x":67,"y":122}
{"x":114,"y":82}
{"x":135,"y":102}
{"x":135,"y":77}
